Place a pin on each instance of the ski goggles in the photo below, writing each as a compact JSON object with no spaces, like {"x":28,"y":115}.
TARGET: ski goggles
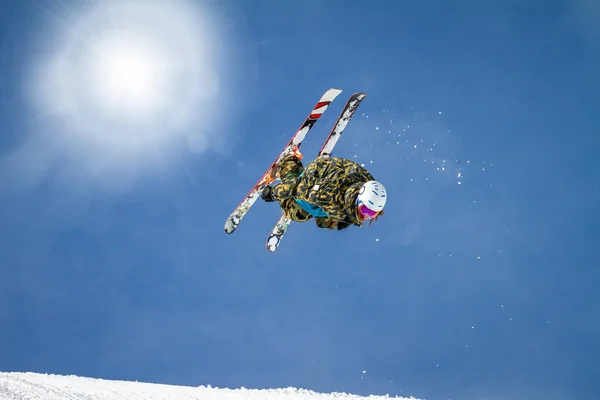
{"x":366,"y":212}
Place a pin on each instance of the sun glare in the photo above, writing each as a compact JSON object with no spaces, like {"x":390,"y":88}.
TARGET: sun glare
{"x":116,"y":79}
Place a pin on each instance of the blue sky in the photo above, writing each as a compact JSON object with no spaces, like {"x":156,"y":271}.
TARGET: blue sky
{"x":113,"y":259}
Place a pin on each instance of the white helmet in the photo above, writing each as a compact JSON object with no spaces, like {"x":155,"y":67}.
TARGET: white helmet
{"x":372,"y":195}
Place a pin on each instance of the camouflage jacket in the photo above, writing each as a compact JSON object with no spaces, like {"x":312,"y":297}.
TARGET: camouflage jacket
{"x":333,"y":185}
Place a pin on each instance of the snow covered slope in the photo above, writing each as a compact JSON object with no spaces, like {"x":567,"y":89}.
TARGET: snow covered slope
{"x":30,"y":386}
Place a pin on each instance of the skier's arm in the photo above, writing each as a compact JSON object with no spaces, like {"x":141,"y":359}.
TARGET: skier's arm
{"x":335,"y":213}
{"x":326,"y":223}
{"x":343,"y":208}
{"x":342,"y":225}
{"x":330,"y":223}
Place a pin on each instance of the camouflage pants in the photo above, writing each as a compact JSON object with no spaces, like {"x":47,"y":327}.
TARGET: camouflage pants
{"x":289,"y":172}
{"x":290,"y":169}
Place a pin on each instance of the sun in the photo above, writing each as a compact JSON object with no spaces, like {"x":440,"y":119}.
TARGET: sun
{"x":129,"y":75}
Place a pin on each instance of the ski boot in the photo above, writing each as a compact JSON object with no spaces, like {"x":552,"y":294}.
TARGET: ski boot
{"x":296,"y":152}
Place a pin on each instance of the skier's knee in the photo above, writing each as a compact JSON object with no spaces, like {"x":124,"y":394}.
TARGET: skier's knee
{"x":293,"y":211}
{"x":291,"y":168}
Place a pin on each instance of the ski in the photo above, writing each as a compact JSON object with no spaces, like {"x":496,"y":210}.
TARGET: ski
{"x":348,"y":111}
{"x":269,"y":176}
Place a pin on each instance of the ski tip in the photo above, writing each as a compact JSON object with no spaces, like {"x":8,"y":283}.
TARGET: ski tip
{"x":330,"y":95}
{"x":272,"y":243}
{"x":229,"y":227}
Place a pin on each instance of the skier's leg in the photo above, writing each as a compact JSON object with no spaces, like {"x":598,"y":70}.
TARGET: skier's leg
{"x":289,"y":172}
{"x":290,"y":168}
{"x":293,"y":211}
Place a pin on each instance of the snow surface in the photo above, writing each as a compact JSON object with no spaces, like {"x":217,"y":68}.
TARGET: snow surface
{"x":30,"y":386}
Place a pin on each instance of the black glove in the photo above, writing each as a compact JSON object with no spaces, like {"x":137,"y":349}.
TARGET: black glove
{"x":267,"y":194}
{"x":342,"y":225}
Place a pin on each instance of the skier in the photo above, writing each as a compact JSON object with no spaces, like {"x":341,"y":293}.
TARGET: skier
{"x":337,"y":192}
